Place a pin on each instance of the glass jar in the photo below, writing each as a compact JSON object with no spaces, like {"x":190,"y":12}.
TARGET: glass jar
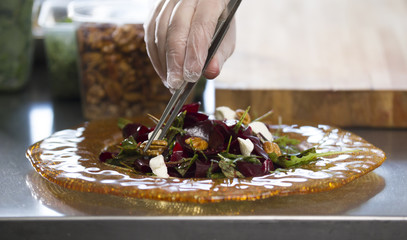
{"x":116,"y":76}
{"x":16,"y":43}
{"x":60,"y":48}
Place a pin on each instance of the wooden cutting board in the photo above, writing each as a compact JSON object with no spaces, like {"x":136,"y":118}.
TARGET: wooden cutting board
{"x":337,"y":62}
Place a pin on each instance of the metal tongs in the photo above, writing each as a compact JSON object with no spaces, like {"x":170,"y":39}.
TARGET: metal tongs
{"x":178,"y":99}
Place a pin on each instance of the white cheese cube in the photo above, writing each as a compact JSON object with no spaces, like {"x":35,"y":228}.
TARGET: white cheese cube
{"x":158,"y":166}
{"x":222,"y":113}
{"x":156,"y":136}
{"x":261,"y":128}
{"x":246,"y":146}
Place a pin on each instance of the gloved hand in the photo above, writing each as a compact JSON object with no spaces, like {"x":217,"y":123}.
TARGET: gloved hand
{"x":178,"y":35}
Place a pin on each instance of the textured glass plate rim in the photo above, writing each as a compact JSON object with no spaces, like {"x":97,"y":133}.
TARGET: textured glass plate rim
{"x":87,"y":140}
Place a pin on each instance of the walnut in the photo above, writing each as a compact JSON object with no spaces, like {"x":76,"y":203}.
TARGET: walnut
{"x":156,"y":148}
{"x":271,"y":147}
{"x":239,"y":114}
{"x":197,"y":143}
{"x":95,"y":94}
{"x":133,"y":97}
{"x":124,"y":34}
{"x":114,"y":91}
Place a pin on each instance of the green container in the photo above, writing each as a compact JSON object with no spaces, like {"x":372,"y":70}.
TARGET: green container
{"x":60,"y":48}
{"x":16,"y":43}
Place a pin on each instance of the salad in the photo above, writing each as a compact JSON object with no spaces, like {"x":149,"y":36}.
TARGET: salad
{"x":197,"y":146}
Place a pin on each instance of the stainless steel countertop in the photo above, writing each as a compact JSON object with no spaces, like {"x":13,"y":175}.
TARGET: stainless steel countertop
{"x":373,"y":206}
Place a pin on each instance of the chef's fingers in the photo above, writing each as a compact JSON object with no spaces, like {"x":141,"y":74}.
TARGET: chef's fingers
{"x":202,"y":29}
{"x":224,"y":51}
{"x":161,"y":34}
{"x":177,"y":36}
{"x":149,"y":38}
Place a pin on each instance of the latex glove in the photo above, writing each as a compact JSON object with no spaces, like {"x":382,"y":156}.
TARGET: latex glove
{"x":178,"y":35}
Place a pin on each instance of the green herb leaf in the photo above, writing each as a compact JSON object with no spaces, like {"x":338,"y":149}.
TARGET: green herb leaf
{"x":129,"y":146}
{"x":209,"y":172}
{"x":287,"y":145}
{"x":284,"y":141}
{"x":304,"y":157}
{"x":176,"y":128}
{"x":228,"y":167}
{"x":261,"y":118}
{"x":230,"y":141}
{"x":239,"y":124}
{"x":236,"y":158}
{"x":218,"y":175}
{"x":184,"y":166}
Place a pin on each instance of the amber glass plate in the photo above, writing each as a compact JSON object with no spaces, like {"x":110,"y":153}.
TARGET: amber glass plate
{"x":69,"y":158}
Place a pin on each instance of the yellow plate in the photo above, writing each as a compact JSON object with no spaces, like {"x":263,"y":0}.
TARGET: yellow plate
{"x":69,"y":158}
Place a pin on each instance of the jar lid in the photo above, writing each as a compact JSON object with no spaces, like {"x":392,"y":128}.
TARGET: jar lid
{"x":53,"y":15}
{"x":117,"y":12}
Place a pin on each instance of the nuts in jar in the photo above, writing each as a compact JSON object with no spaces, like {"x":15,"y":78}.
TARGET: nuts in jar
{"x":117,"y":77}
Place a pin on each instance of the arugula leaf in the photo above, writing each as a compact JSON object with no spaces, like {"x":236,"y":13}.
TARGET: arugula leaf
{"x":176,"y":128}
{"x":125,"y":161}
{"x":261,"y":118}
{"x":235,"y":158}
{"x":287,"y":145}
{"x":284,"y":141}
{"x":209,"y":172}
{"x":304,"y":157}
{"x":216,"y":175}
{"x":129,"y":145}
{"x":228,"y":167}
{"x":228,"y":147}
{"x":186,"y":163}
{"x":239,"y":124}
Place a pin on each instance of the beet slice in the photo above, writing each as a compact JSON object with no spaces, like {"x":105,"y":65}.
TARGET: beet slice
{"x":258,"y":148}
{"x":177,"y":156}
{"x":130,"y":129}
{"x":202,"y":167}
{"x":138,"y":131}
{"x":192,"y":107}
{"x":105,"y":156}
{"x":267,"y":166}
{"x":142,"y":165}
{"x":192,"y":118}
{"x":250,"y":169}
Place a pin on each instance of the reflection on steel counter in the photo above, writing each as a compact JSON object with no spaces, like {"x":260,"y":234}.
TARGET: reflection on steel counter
{"x":338,"y":201}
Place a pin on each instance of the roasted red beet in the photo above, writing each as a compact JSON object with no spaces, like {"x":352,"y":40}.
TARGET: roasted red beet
{"x":213,"y":133}
{"x":142,"y":165}
{"x":105,"y":156}
{"x":234,"y":147}
{"x":177,"y":147}
{"x":267,"y":166}
{"x":202,"y":168}
{"x":201,"y":129}
{"x":258,"y":148}
{"x":216,"y":141}
{"x":173,"y":172}
{"x":138,"y":131}
{"x":192,"y":118}
{"x":250,"y":169}
{"x":177,"y":156}
{"x":130,"y":129}
{"x":192,"y":107}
